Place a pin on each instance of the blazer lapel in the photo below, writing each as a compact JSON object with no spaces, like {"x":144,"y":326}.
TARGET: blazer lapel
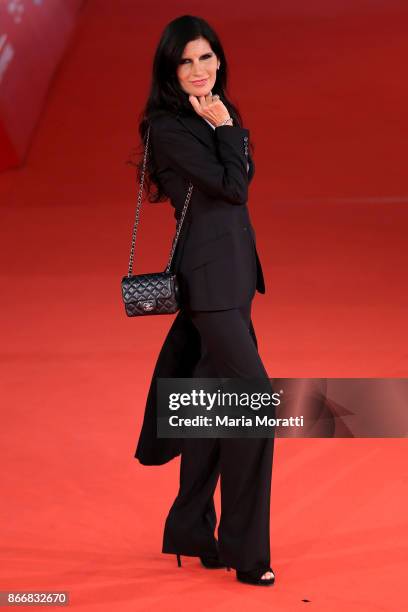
{"x":199,"y":127}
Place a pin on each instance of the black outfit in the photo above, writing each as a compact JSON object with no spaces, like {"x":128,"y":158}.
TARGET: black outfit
{"x":212,"y":336}
{"x":216,"y":257}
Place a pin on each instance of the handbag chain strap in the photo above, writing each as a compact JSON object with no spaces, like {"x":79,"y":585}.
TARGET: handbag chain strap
{"x":139,"y":204}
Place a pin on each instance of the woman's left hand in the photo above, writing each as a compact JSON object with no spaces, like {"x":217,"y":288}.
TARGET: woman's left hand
{"x":215,"y":111}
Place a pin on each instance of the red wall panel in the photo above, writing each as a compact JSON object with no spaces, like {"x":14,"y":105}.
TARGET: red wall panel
{"x":33,"y":37}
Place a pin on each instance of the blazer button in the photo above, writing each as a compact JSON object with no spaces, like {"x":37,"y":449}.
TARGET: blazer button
{"x":245,"y":228}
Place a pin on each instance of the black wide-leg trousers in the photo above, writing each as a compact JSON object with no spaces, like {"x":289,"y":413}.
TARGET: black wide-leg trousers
{"x":244,"y":464}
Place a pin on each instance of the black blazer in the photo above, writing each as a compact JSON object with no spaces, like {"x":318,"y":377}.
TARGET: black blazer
{"x":216,"y":258}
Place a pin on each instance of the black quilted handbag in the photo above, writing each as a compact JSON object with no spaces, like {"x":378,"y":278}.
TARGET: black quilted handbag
{"x":156,"y":292}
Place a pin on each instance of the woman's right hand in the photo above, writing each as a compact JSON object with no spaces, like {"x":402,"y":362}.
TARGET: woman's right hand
{"x":215,"y":111}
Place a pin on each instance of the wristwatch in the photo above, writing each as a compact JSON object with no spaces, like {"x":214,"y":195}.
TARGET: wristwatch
{"x":226,"y":121}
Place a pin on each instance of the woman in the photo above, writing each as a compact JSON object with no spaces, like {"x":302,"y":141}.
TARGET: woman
{"x":197,"y":135}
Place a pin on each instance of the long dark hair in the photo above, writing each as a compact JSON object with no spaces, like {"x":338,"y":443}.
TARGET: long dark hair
{"x":166,"y":95}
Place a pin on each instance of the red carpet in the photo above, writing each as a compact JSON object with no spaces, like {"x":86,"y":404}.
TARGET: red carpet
{"x":323,"y":92}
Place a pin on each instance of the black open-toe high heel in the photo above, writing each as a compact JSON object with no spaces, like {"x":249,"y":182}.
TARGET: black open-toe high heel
{"x":207,"y":562}
{"x":255,"y":577}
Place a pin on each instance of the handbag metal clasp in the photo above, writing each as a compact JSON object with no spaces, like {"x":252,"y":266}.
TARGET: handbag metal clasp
{"x":148,"y":305}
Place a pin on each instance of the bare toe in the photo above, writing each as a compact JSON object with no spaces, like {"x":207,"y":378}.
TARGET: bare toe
{"x":267,"y":576}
